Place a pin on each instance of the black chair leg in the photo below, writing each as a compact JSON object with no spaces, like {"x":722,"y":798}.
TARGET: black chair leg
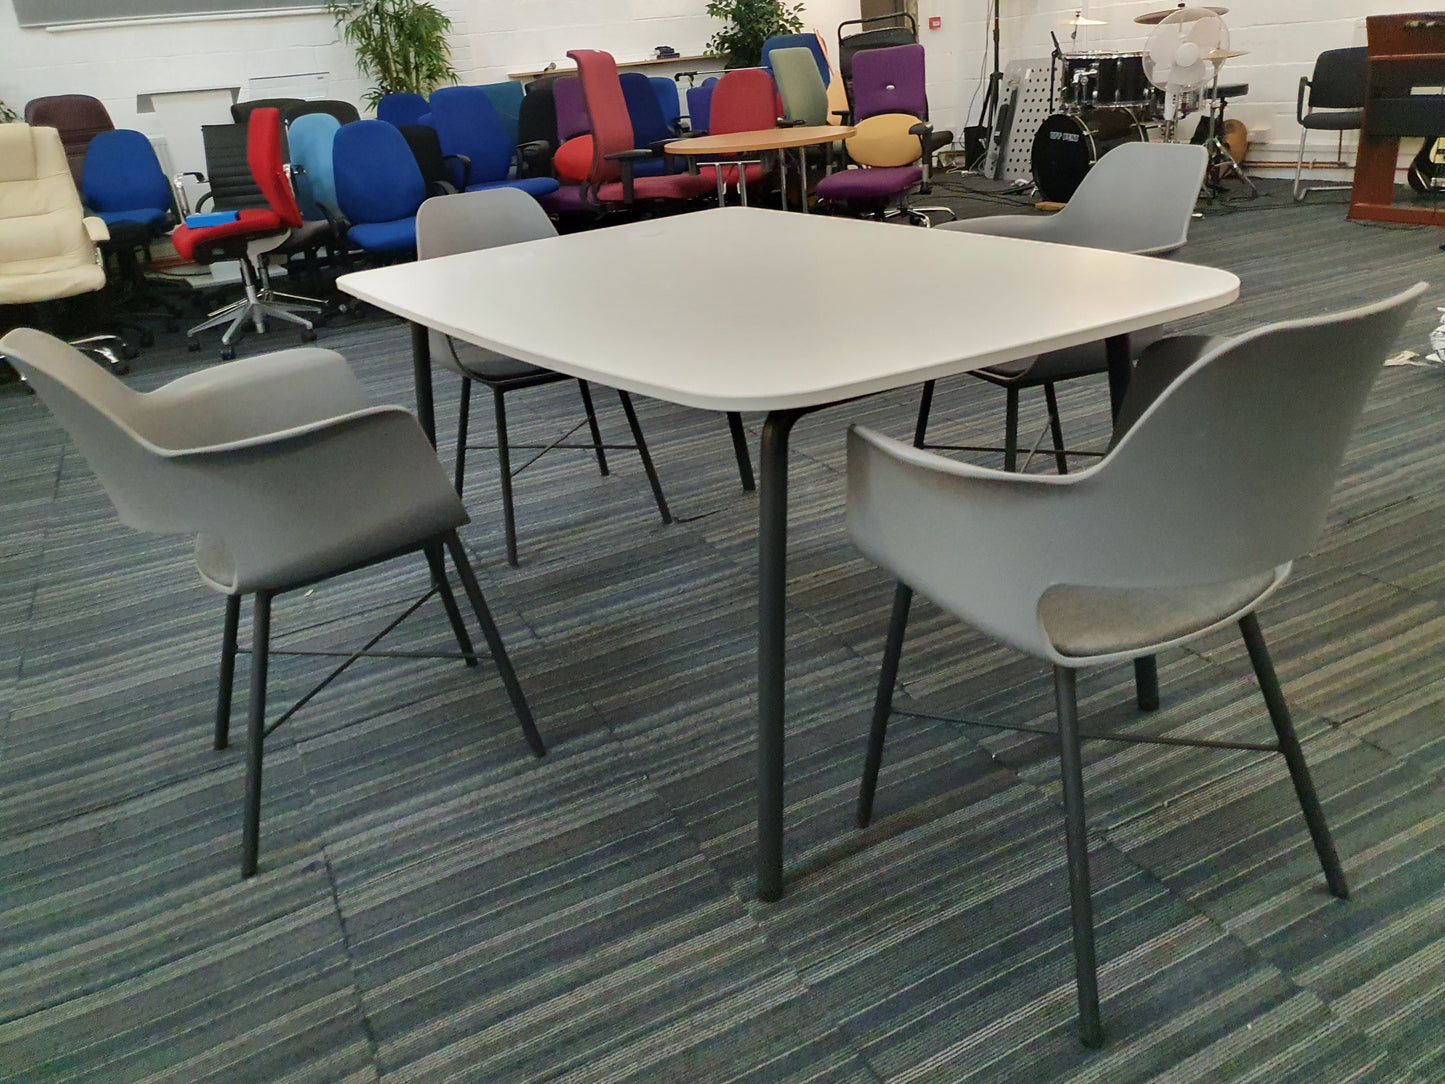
{"x":464,"y":412}
{"x":592,"y":425}
{"x":494,"y":644}
{"x":883,"y":701}
{"x":228,"y":672}
{"x":644,"y":455}
{"x":1091,"y":1031}
{"x":1056,"y":429}
{"x":1289,"y":747}
{"x":925,"y":406}
{"x":740,"y":450}
{"x":1011,"y":429}
{"x":255,"y":733}
{"x":504,"y":463}
{"x":438,"y":566}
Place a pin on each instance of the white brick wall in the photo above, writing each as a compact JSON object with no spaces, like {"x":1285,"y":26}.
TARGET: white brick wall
{"x":493,"y":37}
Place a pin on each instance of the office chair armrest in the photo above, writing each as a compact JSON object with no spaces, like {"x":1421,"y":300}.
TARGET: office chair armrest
{"x":1299,"y":101}
{"x":530,"y":155}
{"x":625,"y":159}
{"x":784,"y":122}
{"x":924,"y":131}
{"x":334,"y":218}
{"x":96,"y":230}
{"x":178,"y":190}
{"x":463,"y":170}
{"x":845,"y":116}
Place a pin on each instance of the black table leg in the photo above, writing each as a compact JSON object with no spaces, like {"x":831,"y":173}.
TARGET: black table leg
{"x":1116,"y":349}
{"x":421,"y":374}
{"x":772,"y":634}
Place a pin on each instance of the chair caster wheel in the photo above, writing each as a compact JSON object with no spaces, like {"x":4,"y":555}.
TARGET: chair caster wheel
{"x":308,"y":335}
{"x":228,"y":353}
{"x":193,"y":346}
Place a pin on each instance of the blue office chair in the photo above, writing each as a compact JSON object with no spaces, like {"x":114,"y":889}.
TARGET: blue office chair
{"x":699,"y":104}
{"x":649,"y":126}
{"x":798,"y":41}
{"x":401,"y":108}
{"x":468,"y":125}
{"x":311,"y":138}
{"x":506,"y":98}
{"x":668,"y":101}
{"x":378,"y":186}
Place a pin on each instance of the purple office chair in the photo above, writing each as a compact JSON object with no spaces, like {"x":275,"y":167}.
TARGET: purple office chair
{"x":894,"y":143}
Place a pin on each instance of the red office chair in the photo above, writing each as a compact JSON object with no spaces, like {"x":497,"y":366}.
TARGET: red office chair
{"x":250,"y":238}
{"x":610,"y":180}
{"x":744,"y":100}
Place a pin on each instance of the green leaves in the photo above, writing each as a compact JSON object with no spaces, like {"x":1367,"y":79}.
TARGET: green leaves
{"x":751,"y":22}
{"x":401,"y":44}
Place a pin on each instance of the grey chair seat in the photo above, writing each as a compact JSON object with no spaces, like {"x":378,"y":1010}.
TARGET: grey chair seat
{"x":1086,"y":622}
{"x":1344,"y":120}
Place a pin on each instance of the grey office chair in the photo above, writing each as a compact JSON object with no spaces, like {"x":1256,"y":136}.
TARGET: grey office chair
{"x":1139,"y":198}
{"x":465,"y":222}
{"x":286,"y":474}
{"x":1219,"y":477}
{"x":1337,"y":90}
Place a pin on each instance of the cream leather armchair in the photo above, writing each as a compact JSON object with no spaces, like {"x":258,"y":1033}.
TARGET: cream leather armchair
{"x":47,"y":244}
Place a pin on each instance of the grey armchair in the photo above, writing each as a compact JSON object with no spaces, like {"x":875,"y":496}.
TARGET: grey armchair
{"x":286,"y":474}
{"x":1139,"y":198}
{"x":1230,"y":468}
{"x":465,"y":222}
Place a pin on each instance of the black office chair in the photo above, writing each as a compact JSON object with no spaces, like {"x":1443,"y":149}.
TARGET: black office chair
{"x":1337,"y":104}
{"x":241,"y":111}
{"x":875,"y":32}
{"x":344,"y":112}
{"x":441,"y":172}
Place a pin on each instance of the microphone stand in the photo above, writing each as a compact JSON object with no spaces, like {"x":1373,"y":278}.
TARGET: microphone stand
{"x":989,"y":113}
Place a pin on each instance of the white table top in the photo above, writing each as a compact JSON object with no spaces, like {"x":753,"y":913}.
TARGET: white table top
{"x":727,"y":309}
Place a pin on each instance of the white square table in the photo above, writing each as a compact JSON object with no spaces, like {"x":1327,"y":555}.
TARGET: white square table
{"x":741,"y":308}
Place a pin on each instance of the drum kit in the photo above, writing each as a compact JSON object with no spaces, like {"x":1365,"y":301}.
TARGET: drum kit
{"x":1108,"y":98}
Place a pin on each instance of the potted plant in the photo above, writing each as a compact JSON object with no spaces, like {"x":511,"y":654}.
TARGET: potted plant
{"x":750,"y":23}
{"x":401,"y":44}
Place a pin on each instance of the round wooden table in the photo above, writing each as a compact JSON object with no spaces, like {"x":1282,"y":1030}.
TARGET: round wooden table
{"x":764,"y":139}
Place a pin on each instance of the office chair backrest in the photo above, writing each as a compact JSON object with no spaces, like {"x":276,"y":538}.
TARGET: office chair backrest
{"x":45,"y":252}
{"x":468,"y":221}
{"x":377,"y":178}
{"x":227,"y":171}
{"x":607,"y":110}
{"x":648,"y":125}
{"x":403,"y":107}
{"x":1141,"y":200}
{"x":699,"y":104}
{"x":506,"y":98}
{"x":572,"y":119}
{"x":266,"y":157}
{"x":241,"y":111}
{"x":744,"y":100}
{"x":311,"y":137}
{"x":468,"y":124}
{"x":537,"y":115}
{"x":124,"y":181}
{"x":77,"y":117}
{"x":344,"y":112}
{"x":805,"y":96}
{"x":890,"y":80}
{"x":857,"y":36}
{"x":809,"y":42}
{"x":668,"y":100}
{"x":1339,"y":79}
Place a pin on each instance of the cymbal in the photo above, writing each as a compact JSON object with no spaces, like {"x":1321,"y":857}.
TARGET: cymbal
{"x":1081,"y":20}
{"x":1152,"y":17}
{"x":1224,"y":54}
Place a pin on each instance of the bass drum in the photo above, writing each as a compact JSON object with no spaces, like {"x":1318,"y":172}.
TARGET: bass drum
{"x":1068,"y":144}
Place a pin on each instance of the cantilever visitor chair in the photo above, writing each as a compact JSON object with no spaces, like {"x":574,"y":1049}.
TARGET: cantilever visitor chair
{"x":379,"y":187}
{"x":1139,"y":198}
{"x":48,"y":245}
{"x":1337,"y":90}
{"x":466,"y":222}
{"x":1228,"y":469}
{"x":286,"y":474}
{"x":254,"y":235}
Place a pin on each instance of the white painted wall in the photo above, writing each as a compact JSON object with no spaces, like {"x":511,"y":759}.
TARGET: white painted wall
{"x":493,"y":37}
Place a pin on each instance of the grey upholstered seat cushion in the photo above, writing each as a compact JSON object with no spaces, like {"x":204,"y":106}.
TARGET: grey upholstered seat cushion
{"x":1083,"y":622}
